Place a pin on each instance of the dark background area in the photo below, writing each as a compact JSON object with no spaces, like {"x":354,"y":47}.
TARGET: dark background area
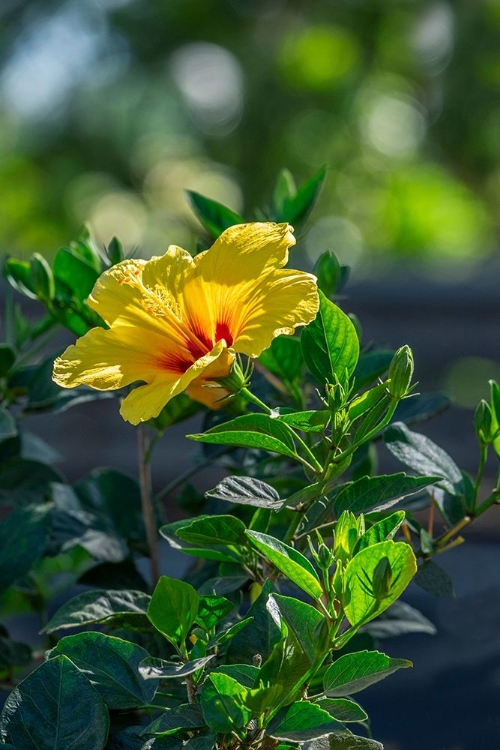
{"x":111,"y":109}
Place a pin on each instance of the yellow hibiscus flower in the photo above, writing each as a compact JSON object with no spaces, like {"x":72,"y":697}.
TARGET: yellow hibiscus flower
{"x":177,"y":322}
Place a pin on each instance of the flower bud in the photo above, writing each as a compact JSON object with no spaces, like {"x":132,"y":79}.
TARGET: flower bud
{"x":483,"y":422}
{"x":401,"y":372}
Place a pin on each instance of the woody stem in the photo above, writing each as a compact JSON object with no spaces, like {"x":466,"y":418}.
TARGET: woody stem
{"x":148,"y":512}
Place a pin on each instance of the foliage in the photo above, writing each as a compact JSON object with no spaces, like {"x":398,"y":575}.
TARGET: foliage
{"x":300,"y":564}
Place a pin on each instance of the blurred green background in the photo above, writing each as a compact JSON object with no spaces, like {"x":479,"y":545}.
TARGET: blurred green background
{"x":110,"y":109}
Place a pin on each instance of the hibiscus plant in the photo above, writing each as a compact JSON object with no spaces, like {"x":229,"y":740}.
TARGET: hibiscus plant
{"x":298,"y":557}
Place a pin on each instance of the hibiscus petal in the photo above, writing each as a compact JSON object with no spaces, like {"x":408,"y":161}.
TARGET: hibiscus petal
{"x":147,"y":401}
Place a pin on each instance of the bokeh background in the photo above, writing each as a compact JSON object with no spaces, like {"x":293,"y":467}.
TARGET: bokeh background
{"x":111,"y":109}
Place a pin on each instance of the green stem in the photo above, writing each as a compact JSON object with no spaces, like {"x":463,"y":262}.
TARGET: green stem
{"x":148,"y":513}
{"x":482,"y":463}
{"x":312,"y":462}
{"x":369,"y":435}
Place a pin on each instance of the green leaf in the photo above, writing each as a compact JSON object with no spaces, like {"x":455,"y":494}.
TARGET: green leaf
{"x":376,"y":577}
{"x":297,"y":207}
{"x":330,"y":274}
{"x":420,"y":407}
{"x":218,"y":530}
{"x":55,"y":708}
{"x":261,"y":637}
{"x":302,"y":721}
{"x":213,"y":215}
{"x":13,"y":653}
{"x":223,"y":703}
{"x":187,"y":716}
{"x":246,"y":491}
{"x":7,"y":359}
{"x":152,"y":668}
{"x":245,"y":674}
{"x":330,"y":344}
{"x":251,"y":431}
{"x":23,"y":536}
{"x":371,"y":366}
{"x":399,"y":619}
{"x":306,"y":421}
{"x":343,"y":709}
{"x":222,"y":585}
{"x":115,"y":608}
{"x":228,"y":633}
{"x":17,"y":273}
{"x":495,"y":411}
{"x":8,"y":428}
{"x":423,"y":456}
{"x":381,"y":531}
{"x":212,"y":609}
{"x":284,"y":189}
{"x":345,"y":742}
{"x":380,"y":492}
{"x":132,"y":738}
{"x":76,"y":274}
{"x":178,"y":409}
{"x":354,"y":672}
{"x":27,"y":475}
{"x":102,"y":493}
{"x":173,"y":608}
{"x":112,"y":666}
{"x":114,"y":251}
{"x":289,"y":561}
{"x":283,"y":358}
{"x":42,"y":278}
{"x":434,"y":579}
{"x":302,"y":622}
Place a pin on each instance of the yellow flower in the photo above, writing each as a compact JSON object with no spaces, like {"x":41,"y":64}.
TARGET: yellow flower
{"x":176,"y":322}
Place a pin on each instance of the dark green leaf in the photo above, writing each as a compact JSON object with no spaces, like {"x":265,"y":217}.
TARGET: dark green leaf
{"x":284,"y":189}
{"x":420,"y":407}
{"x":223,"y":585}
{"x":364,"y":595}
{"x":173,"y":608}
{"x":330,"y":344}
{"x":330,"y":274}
{"x":77,"y":275}
{"x":251,"y":431}
{"x":103,"y":492}
{"x":152,"y":668}
{"x":187,"y":716}
{"x":423,"y":456}
{"x":380,"y":492}
{"x":283,"y":358}
{"x":289,"y":561}
{"x":297,"y":207}
{"x":213,"y":215}
{"x":218,"y":530}
{"x":13,"y":654}
{"x":343,"y":709}
{"x":261,"y":637}
{"x":354,"y":672}
{"x":7,"y":359}
{"x":23,"y":536}
{"x":306,"y":421}
{"x":115,"y":608}
{"x":114,"y":251}
{"x":212,"y":609}
{"x":222,"y":700}
{"x":246,"y":491}
{"x":112,"y":666}
{"x":434,"y":579}
{"x":343,"y":742}
{"x":399,"y":619}
{"x":132,"y":738}
{"x":55,"y":708}
{"x":384,"y":529}
{"x":18,"y":275}
{"x":31,"y":476}
{"x":8,"y":427}
{"x":302,"y":721}
{"x":371,"y":366}
{"x":245,"y":674}
{"x":228,"y":633}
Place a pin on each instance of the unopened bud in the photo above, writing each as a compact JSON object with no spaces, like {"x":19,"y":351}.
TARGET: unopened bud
{"x":483,"y":422}
{"x":382,"y":577}
{"x":401,"y":372}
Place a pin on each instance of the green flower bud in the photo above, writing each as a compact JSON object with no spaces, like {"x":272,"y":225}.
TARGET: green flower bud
{"x":382,"y":577}
{"x":401,"y":372}
{"x":42,"y":278}
{"x":483,"y":422}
